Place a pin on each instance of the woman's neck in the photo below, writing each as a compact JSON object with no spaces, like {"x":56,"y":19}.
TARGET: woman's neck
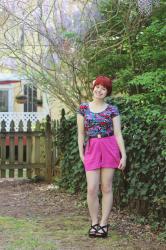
{"x":98,"y":102}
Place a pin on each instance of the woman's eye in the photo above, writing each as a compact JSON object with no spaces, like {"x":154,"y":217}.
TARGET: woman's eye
{"x":98,"y":87}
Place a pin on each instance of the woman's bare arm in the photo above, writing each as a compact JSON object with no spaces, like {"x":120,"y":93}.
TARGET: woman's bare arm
{"x":81,"y":135}
{"x":120,"y":141}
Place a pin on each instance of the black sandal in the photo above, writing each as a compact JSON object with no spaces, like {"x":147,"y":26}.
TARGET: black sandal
{"x":93,"y":233}
{"x":104,"y":232}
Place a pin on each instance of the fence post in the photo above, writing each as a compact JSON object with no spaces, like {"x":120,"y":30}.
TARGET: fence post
{"x":20,"y":147}
{"x":48,"y":149}
{"x":12,"y":148}
{"x":3,"y":148}
{"x":29,"y":149}
{"x":37,"y":148}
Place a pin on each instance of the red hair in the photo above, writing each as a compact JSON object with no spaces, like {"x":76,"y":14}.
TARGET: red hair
{"x":105,"y":82}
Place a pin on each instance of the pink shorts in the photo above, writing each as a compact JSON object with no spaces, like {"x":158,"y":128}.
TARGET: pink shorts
{"x":101,"y":153}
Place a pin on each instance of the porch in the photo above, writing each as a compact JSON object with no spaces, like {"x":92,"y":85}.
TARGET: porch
{"x":24,"y":116}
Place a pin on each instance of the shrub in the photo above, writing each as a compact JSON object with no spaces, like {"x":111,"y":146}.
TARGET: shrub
{"x":141,"y":186}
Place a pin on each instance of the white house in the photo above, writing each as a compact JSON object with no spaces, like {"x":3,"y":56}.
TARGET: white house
{"x":20,"y":100}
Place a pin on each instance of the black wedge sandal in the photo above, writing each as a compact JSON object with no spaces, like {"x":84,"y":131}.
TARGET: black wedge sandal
{"x":104,"y":232}
{"x":95,"y":229}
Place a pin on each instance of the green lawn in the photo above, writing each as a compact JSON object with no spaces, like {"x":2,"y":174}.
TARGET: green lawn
{"x":23,"y":234}
{"x":62,"y":232}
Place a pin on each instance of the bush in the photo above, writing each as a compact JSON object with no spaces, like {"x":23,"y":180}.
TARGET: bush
{"x":141,"y":186}
{"x":73,"y":177}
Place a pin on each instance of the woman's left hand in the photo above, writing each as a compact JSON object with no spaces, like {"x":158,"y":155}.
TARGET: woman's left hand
{"x":122,"y":163}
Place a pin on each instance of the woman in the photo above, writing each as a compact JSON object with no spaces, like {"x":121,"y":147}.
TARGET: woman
{"x":104,"y":151}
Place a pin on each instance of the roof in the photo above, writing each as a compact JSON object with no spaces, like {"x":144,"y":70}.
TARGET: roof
{"x":6,"y":78}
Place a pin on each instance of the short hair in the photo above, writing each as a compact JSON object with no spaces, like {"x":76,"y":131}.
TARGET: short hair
{"x":105,"y":82}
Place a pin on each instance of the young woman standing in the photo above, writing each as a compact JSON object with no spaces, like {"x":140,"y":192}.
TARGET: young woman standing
{"x":104,"y":151}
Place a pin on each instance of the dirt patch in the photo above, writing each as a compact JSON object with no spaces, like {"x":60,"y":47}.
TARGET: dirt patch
{"x":39,"y":216}
{"x":26,"y":199}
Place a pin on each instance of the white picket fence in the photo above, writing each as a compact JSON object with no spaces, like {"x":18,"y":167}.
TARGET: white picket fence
{"x":24,"y":116}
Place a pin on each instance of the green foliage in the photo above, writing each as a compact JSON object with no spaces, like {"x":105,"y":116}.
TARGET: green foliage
{"x":143,"y":131}
{"x":132,"y":50}
{"x":73,"y":177}
{"x":142,"y":184}
{"x":152,"y":85}
{"x":129,"y":48}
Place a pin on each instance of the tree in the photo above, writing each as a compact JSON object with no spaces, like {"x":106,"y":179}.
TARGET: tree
{"x":45,"y":44}
{"x":130,"y":47}
{"x":62,"y":55}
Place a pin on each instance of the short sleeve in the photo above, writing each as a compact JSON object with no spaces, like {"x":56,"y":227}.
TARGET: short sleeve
{"x":82,"y":108}
{"x":114,"y":111}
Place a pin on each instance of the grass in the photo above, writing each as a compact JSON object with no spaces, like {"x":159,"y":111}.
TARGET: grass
{"x":22,"y":234}
{"x":50,"y":234}
{"x":62,"y":231}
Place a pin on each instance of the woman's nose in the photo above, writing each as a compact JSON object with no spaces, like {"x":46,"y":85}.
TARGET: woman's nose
{"x":98,"y":89}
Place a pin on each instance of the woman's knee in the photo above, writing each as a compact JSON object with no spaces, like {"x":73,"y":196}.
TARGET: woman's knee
{"x":92,"y":190}
{"x":106,"y":188}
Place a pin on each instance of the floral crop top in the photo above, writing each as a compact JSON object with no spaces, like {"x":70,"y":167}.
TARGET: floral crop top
{"x":98,"y":123}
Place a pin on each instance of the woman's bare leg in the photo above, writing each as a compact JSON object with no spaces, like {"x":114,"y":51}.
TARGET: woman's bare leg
{"x":93,"y":179}
{"x":107,"y":194}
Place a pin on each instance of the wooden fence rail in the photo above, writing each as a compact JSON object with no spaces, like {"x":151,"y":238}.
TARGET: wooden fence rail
{"x":27,"y":153}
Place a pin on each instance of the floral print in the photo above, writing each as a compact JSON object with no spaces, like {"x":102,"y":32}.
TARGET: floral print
{"x":98,"y":123}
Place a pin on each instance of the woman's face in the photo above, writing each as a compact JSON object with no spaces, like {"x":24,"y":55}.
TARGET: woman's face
{"x":99,"y":92}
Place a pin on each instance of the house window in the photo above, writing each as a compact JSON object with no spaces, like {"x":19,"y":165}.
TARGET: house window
{"x":4,"y":101}
{"x":31,"y":104}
